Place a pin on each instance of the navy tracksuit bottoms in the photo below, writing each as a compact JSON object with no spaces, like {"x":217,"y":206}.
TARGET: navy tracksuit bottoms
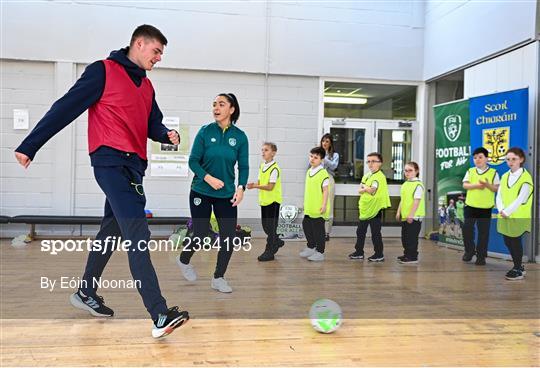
{"x":124,"y":216}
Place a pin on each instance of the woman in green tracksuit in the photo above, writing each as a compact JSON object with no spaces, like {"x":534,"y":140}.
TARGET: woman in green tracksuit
{"x":217,"y":148}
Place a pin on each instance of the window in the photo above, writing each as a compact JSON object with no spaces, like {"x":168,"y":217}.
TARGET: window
{"x":369,"y":101}
{"x":349,"y":143}
{"x":395,"y":147}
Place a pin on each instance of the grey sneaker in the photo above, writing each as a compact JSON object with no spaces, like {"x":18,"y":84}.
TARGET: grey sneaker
{"x":316,"y":257}
{"x":221,"y":285}
{"x":307,"y":252}
{"x":187,"y":270}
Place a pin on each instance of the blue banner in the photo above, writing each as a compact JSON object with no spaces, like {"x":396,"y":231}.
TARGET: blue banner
{"x":498,"y":122}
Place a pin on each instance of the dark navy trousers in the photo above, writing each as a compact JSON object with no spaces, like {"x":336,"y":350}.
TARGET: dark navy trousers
{"x":124,"y":216}
{"x":201,"y":207}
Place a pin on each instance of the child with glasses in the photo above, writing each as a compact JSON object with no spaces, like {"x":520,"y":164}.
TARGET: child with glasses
{"x":411,"y":211}
{"x":374,"y":198}
{"x":514,"y":204}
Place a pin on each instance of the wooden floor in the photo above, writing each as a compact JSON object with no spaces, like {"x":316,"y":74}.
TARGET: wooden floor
{"x":440,"y":312}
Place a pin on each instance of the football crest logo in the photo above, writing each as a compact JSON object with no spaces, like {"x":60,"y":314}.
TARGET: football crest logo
{"x":452,"y":127}
{"x":288,"y":213}
{"x":496,"y":141}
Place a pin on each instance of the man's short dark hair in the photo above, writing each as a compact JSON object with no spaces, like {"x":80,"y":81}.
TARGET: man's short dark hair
{"x":319,"y":151}
{"x":481,"y":150}
{"x":149,"y":32}
{"x":376,"y":154}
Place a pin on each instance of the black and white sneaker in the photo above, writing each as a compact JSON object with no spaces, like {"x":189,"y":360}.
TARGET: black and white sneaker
{"x":522,"y":269}
{"x":167,"y":323}
{"x":376,"y":258}
{"x":401,"y":258}
{"x":356,"y":255}
{"x":407,"y":260}
{"x":94,"y":305}
{"x":514,"y":274}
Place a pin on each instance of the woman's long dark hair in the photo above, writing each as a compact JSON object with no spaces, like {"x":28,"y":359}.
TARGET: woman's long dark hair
{"x":331,"y":149}
{"x":234,"y":103}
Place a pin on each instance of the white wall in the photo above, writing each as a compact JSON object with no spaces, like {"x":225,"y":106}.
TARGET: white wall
{"x":354,"y":40}
{"x":513,"y":70}
{"x":461,"y":32}
{"x":377,"y":40}
{"x":28,"y":85}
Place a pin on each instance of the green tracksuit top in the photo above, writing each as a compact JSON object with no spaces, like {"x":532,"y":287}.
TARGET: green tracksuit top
{"x":216,"y":152}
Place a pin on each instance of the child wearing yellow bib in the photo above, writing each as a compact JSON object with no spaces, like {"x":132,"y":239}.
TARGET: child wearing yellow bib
{"x":316,"y":209}
{"x":411,"y":211}
{"x":481,"y":182}
{"x":374,"y":198}
{"x":269,"y":185}
{"x":514,"y":204}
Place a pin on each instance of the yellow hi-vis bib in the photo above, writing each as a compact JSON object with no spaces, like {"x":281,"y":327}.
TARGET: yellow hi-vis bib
{"x":370,"y":204}
{"x":267,"y":197}
{"x":520,"y":220}
{"x":313,"y":195}
{"x":481,"y":198}
{"x":407,"y":199}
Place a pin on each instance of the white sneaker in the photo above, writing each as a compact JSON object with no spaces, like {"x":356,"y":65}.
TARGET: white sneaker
{"x":187,"y":270}
{"x":221,"y":285}
{"x":307,"y":252}
{"x":316,"y":257}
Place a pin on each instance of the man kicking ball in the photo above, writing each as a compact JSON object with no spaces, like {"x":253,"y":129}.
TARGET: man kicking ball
{"x":122,"y":114}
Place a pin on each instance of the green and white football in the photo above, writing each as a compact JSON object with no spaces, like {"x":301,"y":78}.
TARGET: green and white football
{"x":325,"y":315}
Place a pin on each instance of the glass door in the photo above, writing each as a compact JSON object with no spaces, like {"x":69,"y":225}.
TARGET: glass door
{"x":352,"y":143}
{"x":354,"y":140}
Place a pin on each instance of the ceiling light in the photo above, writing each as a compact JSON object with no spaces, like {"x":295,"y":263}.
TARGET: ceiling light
{"x":345,"y":100}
